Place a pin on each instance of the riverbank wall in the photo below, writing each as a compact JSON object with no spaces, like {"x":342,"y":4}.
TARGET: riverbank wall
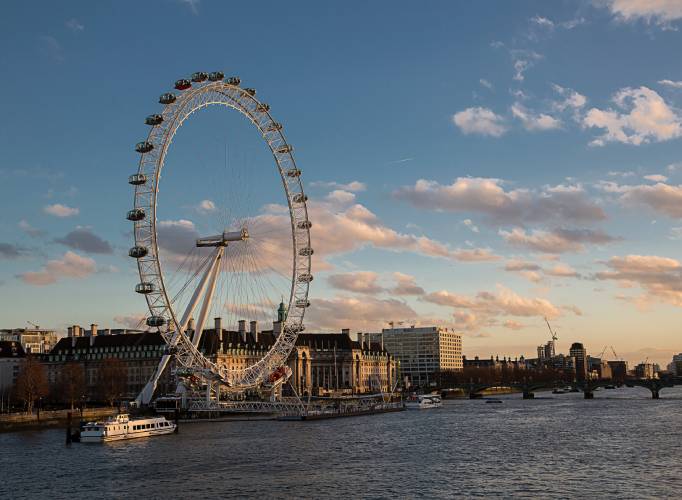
{"x":14,"y":422}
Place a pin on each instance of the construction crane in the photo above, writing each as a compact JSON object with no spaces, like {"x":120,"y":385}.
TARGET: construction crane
{"x":616,"y":355}
{"x":33,"y":325}
{"x":601,"y":354}
{"x":551,"y":332}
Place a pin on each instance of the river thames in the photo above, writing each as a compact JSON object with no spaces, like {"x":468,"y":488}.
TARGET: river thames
{"x":619,"y":445}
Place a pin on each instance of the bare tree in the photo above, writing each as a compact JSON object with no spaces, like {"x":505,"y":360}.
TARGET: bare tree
{"x":31,"y":382}
{"x":112,"y":378}
{"x":71,"y":383}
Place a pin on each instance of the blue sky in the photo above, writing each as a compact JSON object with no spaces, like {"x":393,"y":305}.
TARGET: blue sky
{"x":518,"y":159}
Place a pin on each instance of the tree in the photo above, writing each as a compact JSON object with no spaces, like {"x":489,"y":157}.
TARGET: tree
{"x":31,"y":382}
{"x":112,"y":378}
{"x":71,"y":383}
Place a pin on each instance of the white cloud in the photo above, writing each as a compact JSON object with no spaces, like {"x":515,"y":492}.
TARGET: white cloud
{"x":353,"y":186}
{"x":523,"y":60}
{"x":542,"y":21}
{"x":341,"y":197}
{"x":556,"y":241}
{"x":656,"y":178}
{"x":406,"y":285}
{"x":488,"y":196}
{"x":641,"y":116}
{"x":74,"y":25}
{"x":29,"y":229}
{"x":480,"y":121}
{"x":671,"y":83}
{"x":485,"y":83}
{"x":364,"y":314}
{"x":206,"y":207}
{"x":657,"y":11}
{"x":366,"y":282}
{"x":571,"y":99}
{"x":534,"y":121}
{"x":468,"y":223}
{"x":71,"y":265}
{"x":59,"y":210}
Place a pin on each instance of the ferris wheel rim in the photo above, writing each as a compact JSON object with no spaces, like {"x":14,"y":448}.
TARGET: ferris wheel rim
{"x":150,"y":268}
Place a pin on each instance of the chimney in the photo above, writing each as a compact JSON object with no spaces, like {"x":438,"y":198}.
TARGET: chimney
{"x":93,"y":329}
{"x":70,"y":331}
{"x":345,"y":331}
{"x":254,"y":331}
{"x":242,"y":329}
{"x":218,"y":322}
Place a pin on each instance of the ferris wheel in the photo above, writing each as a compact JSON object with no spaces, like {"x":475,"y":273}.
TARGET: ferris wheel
{"x":249,"y":251}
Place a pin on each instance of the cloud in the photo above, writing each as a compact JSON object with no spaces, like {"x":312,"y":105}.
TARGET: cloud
{"x":485,"y":83}
{"x":571,"y":99}
{"x":59,"y":210}
{"x":556,"y":241}
{"x":660,"y":278}
{"x":85,"y":240}
{"x":468,"y":223}
{"x":353,"y":186}
{"x":641,"y":116}
{"x":513,"y":325}
{"x":29,"y":229}
{"x":406,"y":285}
{"x":364,"y":314}
{"x":71,"y":265}
{"x":671,"y":83}
{"x":481,"y":121}
{"x":662,"y":198}
{"x":520,"y":265}
{"x":358,"y":282}
{"x":659,"y":12}
{"x":656,"y":178}
{"x":542,"y":21}
{"x":132,"y":321}
{"x":488,"y":196}
{"x":341,"y":197}
{"x":192,"y":4}
{"x":74,"y":25}
{"x":562,"y":271}
{"x":51,"y":48}
{"x":534,"y":121}
{"x":10,"y":251}
{"x":523,"y":60}
{"x":205,"y":207}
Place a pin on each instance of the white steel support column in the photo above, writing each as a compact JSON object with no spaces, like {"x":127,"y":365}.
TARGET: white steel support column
{"x":208,"y":298}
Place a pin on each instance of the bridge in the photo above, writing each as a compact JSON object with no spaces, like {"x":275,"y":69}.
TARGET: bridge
{"x":528,"y":387}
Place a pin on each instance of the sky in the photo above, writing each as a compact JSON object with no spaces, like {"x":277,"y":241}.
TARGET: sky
{"x":478,"y":165}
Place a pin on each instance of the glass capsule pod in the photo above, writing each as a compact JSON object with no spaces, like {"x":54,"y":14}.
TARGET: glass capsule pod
{"x":156,"y":321}
{"x":305,"y":278}
{"x":234,"y":80}
{"x":199,"y":76}
{"x":136,"y":214}
{"x":284,"y":149}
{"x":263,"y":107}
{"x":153,"y":120}
{"x":306,"y":251}
{"x":293,"y":172}
{"x":137,"y":252}
{"x":144,"y":288}
{"x":216,"y":76}
{"x":300,"y":198}
{"x":304,"y":224}
{"x":167,"y":98}
{"x":274,"y":127}
{"x":144,"y":147}
{"x":182,"y":84}
{"x":302,"y":303}
{"x":250,"y":91}
{"x":137,"y":179}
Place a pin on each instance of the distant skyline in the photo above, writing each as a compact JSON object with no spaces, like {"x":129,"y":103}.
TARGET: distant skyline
{"x":474,"y":165}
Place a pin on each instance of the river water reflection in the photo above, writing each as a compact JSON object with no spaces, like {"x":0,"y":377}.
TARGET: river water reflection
{"x":619,"y":445}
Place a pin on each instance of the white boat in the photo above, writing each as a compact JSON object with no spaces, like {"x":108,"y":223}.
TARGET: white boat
{"x":123,"y":427}
{"x":423,"y":402}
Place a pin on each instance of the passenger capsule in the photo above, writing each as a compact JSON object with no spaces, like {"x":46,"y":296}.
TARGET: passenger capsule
{"x":234,"y":80}
{"x":273,"y":127}
{"x":199,"y":76}
{"x":153,"y":120}
{"x":295,"y":328}
{"x":306,"y":251}
{"x":136,"y":214}
{"x":182,"y":84}
{"x":137,"y":179}
{"x":137,"y":252}
{"x":263,"y":108}
{"x":293,"y":172}
{"x":144,"y":147}
{"x":156,"y":321}
{"x":304,"y":224}
{"x":284,"y":149}
{"x":305,"y":278}
{"x":302,"y":303}
{"x":144,"y":288}
{"x":216,"y":76}
{"x":250,"y":91}
{"x":167,"y":98}
{"x":300,"y":198}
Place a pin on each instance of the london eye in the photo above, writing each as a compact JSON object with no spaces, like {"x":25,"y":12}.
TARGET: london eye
{"x":245,"y":264}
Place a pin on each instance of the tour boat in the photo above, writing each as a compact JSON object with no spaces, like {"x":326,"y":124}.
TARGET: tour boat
{"x":123,"y":427}
{"x":423,"y":402}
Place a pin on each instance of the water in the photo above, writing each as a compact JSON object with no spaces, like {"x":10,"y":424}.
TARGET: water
{"x":619,"y":445}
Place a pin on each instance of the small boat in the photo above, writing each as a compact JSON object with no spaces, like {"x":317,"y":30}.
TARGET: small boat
{"x":559,"y":391}
{"x":123,"y":427}
{"x":423,"y":402}
{"x":490,"y":401}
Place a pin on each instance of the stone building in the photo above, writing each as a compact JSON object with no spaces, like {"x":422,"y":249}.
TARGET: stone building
{"x":11,"y":356}
{"x":33,"y":340}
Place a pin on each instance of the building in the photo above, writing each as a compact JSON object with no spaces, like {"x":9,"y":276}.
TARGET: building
{"x":12,"y":354}
{"x":33,"y":340}
{"x":423,"y":352}
{"x":675,"y":366}
{"x":578,"y":352}
{"x":645,"y":370}
{"x":495,"y":364}
{"x":619,"y":370}
{"x":546,"y":352}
